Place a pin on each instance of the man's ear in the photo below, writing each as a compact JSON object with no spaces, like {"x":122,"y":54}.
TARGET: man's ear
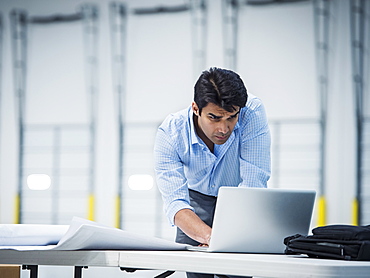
{"x":195,"y":108}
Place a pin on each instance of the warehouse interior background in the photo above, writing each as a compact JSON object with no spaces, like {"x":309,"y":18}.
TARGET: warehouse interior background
{"x":85,"y":84}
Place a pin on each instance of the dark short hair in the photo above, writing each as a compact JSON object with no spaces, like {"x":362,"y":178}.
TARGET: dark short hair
{"x":221,"y":87}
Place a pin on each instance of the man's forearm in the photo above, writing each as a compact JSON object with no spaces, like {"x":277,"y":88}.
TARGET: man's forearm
{"x":193,"y":226}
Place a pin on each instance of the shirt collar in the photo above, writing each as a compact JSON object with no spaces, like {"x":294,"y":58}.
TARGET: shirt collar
{"x":193,"y":134}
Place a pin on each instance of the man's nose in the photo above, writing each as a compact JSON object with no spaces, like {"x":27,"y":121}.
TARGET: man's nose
{"x":223,"y":127}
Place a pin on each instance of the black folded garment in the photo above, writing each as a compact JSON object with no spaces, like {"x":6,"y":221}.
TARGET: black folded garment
{"x":345,"y":242}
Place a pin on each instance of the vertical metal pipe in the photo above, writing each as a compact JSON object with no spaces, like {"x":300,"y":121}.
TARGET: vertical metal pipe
{"x":357,"y":49}
{"x":230,"y":32}
{"x":56,"y":175}
{"x":118,"y":26}
{"x":199,"y":35}
{"x":321,"y":21}
{"x":276,"y":157}
{"x":18,"y":24}
{"x":90,"y":18}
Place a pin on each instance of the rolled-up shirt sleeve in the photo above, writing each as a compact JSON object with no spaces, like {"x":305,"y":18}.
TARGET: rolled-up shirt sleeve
{"x":171,"y":179}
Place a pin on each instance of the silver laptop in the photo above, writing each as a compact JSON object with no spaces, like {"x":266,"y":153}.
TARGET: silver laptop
{"x":256,"y":220}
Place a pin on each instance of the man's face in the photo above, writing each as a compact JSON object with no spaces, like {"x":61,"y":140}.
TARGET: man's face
{"x":215,"y":123}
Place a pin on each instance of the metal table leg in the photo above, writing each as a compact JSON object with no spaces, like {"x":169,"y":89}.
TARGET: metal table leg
{"x":165,"y":274}
{"x":33,"y":270}
{"x":78,"y":271}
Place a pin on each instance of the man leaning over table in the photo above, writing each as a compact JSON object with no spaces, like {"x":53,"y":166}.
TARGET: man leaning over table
{"x":222,"y":139}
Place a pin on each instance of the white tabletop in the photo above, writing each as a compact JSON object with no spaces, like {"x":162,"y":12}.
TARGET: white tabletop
{"x":61,"y":258}
{"x":220,"y":263}
{"x":260,"y":265}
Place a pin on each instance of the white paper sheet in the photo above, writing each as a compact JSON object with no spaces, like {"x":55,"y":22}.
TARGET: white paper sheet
{"x":87,"y":235}
{"x":31,"y":234}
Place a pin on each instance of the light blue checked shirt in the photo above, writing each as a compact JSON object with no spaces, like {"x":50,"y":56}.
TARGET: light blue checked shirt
{"x":183,"y":161}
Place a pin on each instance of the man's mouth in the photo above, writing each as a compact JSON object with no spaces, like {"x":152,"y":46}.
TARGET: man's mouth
{"x":221,"y":137}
